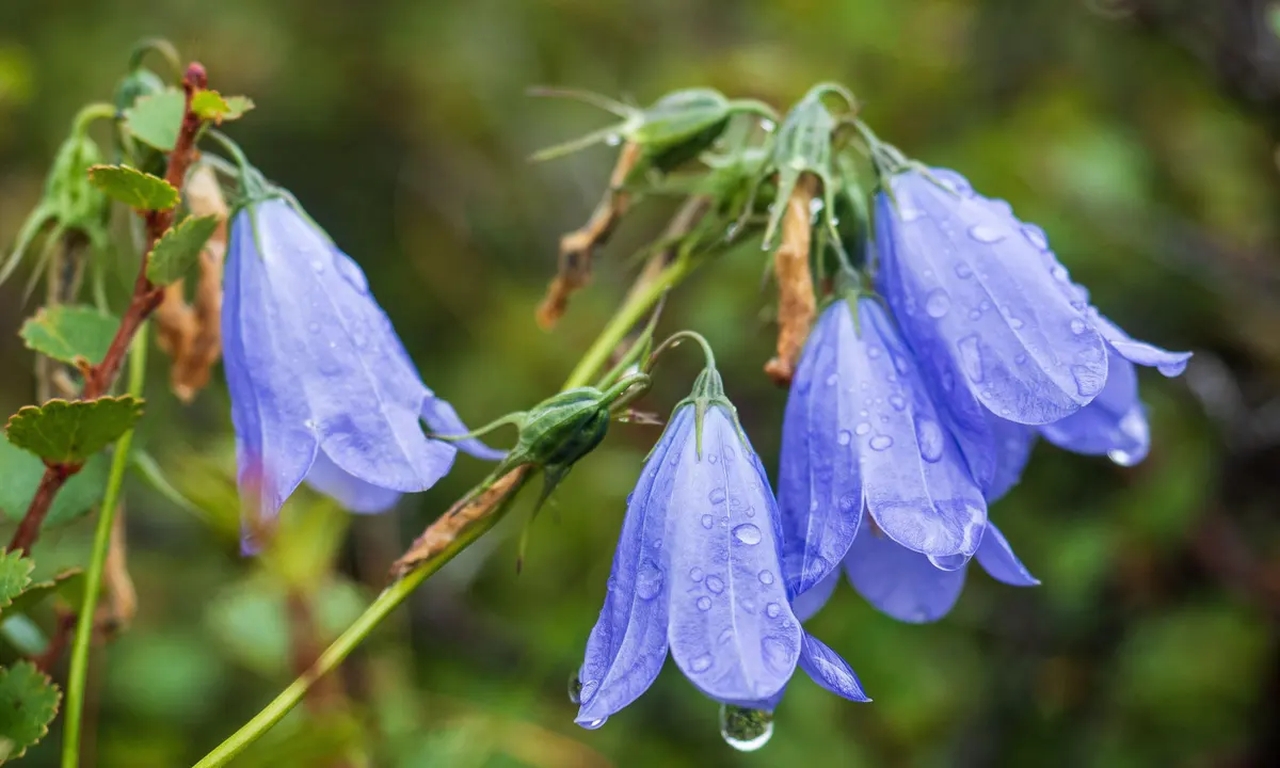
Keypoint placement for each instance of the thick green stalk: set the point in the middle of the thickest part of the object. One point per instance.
(78, 674)
(595, 358)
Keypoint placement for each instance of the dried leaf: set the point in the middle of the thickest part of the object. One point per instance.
(797, 305)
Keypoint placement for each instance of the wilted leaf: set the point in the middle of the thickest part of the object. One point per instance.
(178, 249)
(134, 188)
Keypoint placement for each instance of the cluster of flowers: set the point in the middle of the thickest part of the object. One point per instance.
(916, 401)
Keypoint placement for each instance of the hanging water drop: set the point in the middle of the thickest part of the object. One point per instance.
(938, 304)
(984, 234)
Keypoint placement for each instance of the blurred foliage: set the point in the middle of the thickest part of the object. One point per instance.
(1140, 134)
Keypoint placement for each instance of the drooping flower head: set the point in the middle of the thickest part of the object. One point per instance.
(321, 387)
(861, 431)
(999, 326)
(697, 571)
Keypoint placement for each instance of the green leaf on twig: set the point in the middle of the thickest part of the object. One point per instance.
(28, 703)
(211, 105)
(134, 188)
(68, 583)
(179, 248)
(68, 332)
(157, 119)
(20, 474)
(15, 575)
(70, 431)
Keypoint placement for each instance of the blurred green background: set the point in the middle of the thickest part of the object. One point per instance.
(1141, 134)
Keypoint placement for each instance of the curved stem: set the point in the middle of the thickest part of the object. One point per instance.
(595, 358)
(78, 673)
(675, 338)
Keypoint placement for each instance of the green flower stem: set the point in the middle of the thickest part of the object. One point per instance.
(588, 367)
(93, 579)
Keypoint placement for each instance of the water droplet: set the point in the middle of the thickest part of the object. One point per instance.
(874, 352)
(910, 214)
(963, 270)
(712, 458)
(728, 454)
(1015, 323)
(975, 314)
(1020, 358)
(985, 305)
(725, 636)
(970, 357)
(832, 380)
(844, 437)
(648, 581)
(773, 610)
(929, 437)
(766, 577)
(900, 363)
(704, 603)
(317, 266)
(701, 664)
(747, 533)
(746, 730)
(778, 653)
(1035, 236)
(1078, 326)
(707, 522)
(862, 428)
(881, 442)
(897, 402)
(716, 496)
(1060, 273)
(352, 274)
(715, 585)
(938, 304)
(984, 234)
(576, 687)
(696, 573)
(313, 327)
(613, 139)
(594, 724)
(1088, 381)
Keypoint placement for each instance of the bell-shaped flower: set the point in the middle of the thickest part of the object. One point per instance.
(861, 430)
(321, 387)
(697, 572)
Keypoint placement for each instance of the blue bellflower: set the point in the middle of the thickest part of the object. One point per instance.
(862, 431)
(321, 387)
(697, 572)
(1000, 328)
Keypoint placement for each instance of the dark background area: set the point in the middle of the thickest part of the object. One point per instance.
(1141, 135)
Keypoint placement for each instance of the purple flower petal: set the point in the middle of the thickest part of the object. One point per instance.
(1140, 352)
(899, 582)
(807, 604)
(732, 631)
(961, 270)
(1114, 424)
(628, 645)
(996, 558)
(1013, 445)
(354, 494)
(829, 670)
(365, 398)
(819, 483)
(918, 487)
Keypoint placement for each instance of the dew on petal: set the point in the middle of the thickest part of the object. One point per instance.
(970, 357)
(984, 234)
(1088, 381)
(881, 443)
(707, 522)
(746, 730)
(715, 584)
(1078, 326)
(704, 603)
(963, 270)
(938, 304)
(716, 496)
(701, 664)
(648, 581)
(930, 438)
(862, 429)
(747, 533)
(1035, 235)
(844, 437)
(766, 577)
(910, 214)
(696, 574)
(898, 402)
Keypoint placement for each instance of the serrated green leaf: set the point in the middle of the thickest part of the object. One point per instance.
(15, 575)
(134, 188)
(237, 106)
(179, 248)
(70, 431)
(68, 583)
(66, 332)
(157, 119)
(28, 703)
(211, 105)
(20, 474)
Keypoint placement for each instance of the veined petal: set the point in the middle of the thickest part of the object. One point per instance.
(628, 644)
(732, 631)
(1013, 446)
(275, 439)
(899, 582)
(996, 558)
(1140, 352)
(354, 494)
(807, 604)
(819, 482)
(917, 485)
(829, 670)
(1114, 424)
(969, 275)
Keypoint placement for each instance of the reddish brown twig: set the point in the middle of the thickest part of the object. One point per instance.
(797, 306)
(577, 247)
(99, 378)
